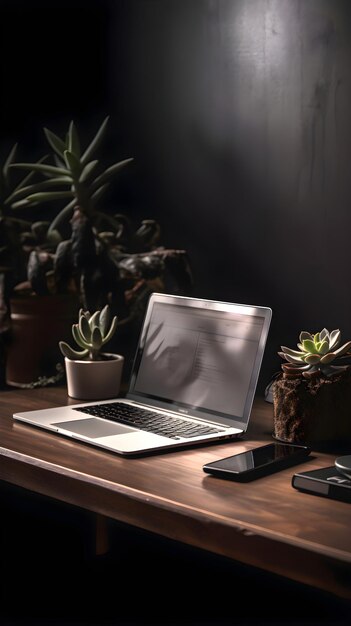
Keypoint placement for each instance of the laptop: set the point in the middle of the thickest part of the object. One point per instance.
(193, 381)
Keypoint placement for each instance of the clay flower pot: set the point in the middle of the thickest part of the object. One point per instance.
(37, 325)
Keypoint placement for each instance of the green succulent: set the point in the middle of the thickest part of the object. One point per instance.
(91, 333)
(14, 231)
(76, 177)
(8, 188)
(315, 354)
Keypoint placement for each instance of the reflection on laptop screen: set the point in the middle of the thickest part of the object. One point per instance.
(199, 358)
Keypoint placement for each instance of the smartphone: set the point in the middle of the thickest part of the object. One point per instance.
(258, 462)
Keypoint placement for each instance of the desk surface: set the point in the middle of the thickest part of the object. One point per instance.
(266, 523)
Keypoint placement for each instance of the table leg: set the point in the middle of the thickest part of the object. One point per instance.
(102, 540)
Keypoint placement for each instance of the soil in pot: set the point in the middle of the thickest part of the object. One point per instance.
(313, 410)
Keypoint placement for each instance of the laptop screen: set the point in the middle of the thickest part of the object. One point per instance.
(200, 359)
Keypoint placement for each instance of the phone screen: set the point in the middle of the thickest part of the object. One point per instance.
(258, 458)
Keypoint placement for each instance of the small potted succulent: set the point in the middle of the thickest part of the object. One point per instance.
(91, 373)
(312, 395)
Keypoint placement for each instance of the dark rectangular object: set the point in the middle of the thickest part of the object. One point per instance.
(326, 482)
(258, 462)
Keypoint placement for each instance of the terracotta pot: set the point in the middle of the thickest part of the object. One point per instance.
(38, 323)
(94, 380)
(313, 411)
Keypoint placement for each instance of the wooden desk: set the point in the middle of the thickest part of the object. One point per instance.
(266, 523)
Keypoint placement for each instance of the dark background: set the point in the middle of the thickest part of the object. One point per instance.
(237, 113)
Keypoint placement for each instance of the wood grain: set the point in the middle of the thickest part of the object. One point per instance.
(265, 523)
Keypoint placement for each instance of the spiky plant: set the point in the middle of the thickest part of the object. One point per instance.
(91, 333)
(75, 177)
(316, 354)
(17, 234)
(8, 188)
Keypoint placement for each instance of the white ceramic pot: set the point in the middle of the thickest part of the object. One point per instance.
(94, 380)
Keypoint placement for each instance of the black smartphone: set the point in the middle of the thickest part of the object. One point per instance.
(258, 462)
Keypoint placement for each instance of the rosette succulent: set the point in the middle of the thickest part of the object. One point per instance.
(316, 354)
(91, 333)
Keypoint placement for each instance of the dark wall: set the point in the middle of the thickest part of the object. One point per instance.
(239, 112)
(238, 115)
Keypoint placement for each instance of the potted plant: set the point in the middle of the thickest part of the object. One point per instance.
(91, 373)
(21, 332)
(12, 233)
(85, 255)
(312, 395)
(82, 180)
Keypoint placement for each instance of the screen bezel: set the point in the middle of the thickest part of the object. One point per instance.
(216, 306)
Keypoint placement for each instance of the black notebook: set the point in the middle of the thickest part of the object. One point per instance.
(327, 482)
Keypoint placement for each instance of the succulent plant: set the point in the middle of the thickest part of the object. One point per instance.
(17, 236)
(75, 177)
(316, 354)
(10, 226)
(91, 333)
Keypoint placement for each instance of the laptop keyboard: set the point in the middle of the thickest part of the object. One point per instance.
(150, 421)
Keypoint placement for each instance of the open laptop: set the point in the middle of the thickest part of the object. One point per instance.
(193, 380)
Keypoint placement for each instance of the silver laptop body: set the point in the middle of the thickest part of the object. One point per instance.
(196, 368)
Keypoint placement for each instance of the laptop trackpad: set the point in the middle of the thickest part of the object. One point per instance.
(92, 427)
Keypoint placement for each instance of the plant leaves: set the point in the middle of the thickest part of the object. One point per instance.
(22, 203)
(291, 352)
(87, 170)
(96, 339)
(9, 160)
(48, 196)
(43, 168)
(62, 215)
(73, 164)
(334, 338)
(328, 358)
(95, 142)
(308, 346)
(105, 320)
(109, 173)
(73, 140)
(77, 337)
(323, 347)
(99, 193)
(112, 331)
(291, 359)
(69, 353)
(28, 177)
(343, 349)
(94, 320)
(304, 335)
(84, 329)
(36, 187)
(55, 142)
(312, 359)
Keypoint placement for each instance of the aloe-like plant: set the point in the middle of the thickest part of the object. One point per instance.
(316, 354)
(75, 177)
(18, 236)
(10, 226)
(91, 333)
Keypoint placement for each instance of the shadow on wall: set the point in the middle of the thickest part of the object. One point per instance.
(244, 130)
